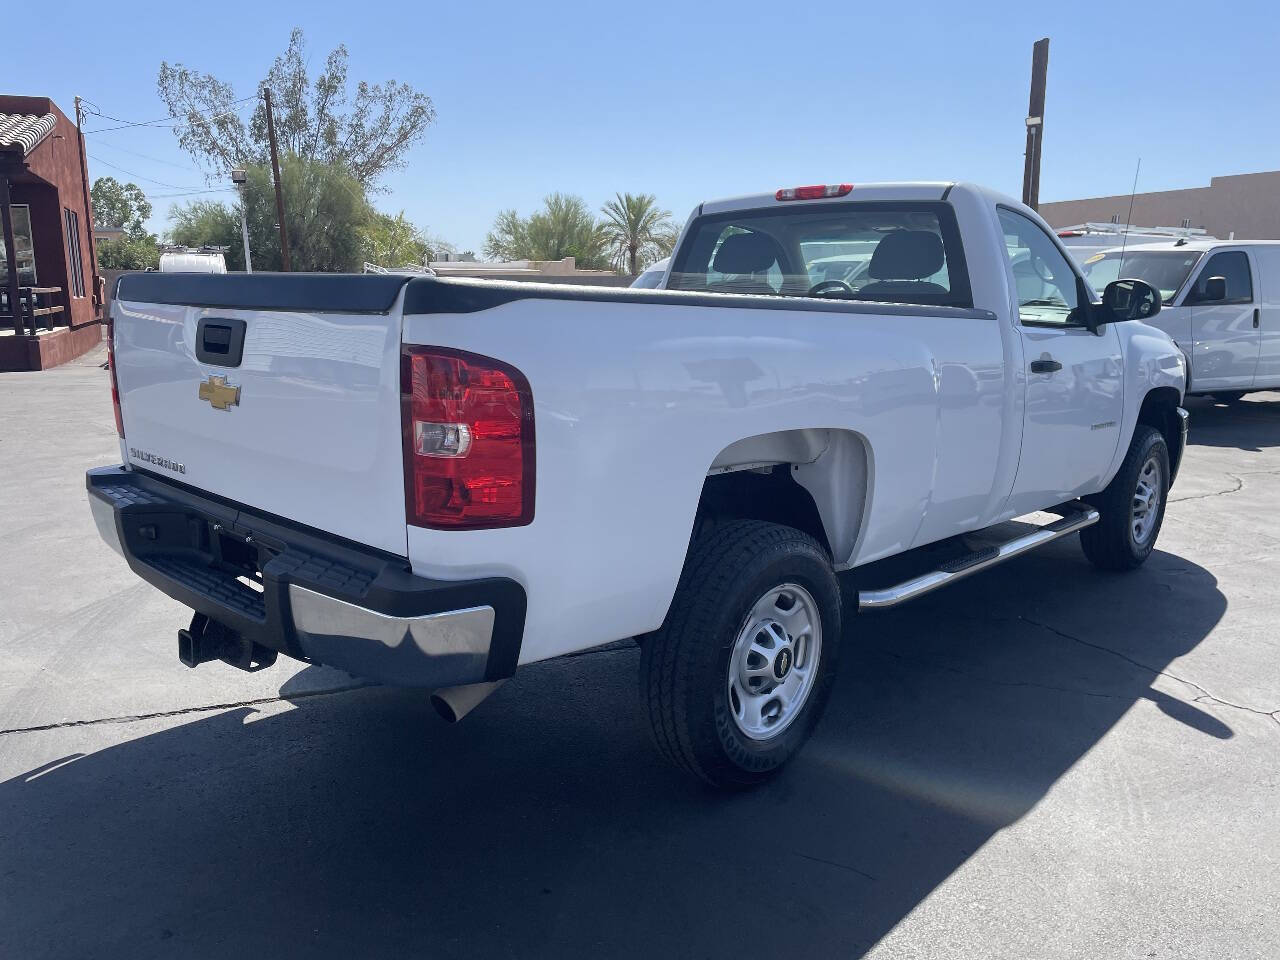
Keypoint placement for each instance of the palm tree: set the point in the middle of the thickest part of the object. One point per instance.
(636, 230)
(564, 227)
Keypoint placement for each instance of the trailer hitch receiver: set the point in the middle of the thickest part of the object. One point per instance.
(208, 639)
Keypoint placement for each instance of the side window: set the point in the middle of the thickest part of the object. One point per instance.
(1233, 265)
(1045, 282)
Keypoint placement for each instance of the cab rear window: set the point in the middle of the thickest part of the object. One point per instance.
(886, 252)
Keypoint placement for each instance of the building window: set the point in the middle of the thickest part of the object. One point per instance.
(74, 260)
(25, 252)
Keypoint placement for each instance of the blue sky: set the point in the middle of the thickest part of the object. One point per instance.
(691, 101)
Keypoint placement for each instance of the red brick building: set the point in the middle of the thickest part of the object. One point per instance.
(50, 297)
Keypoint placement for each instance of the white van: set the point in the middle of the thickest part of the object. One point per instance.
(193, 261)
(1221, 306)
(1086, 239)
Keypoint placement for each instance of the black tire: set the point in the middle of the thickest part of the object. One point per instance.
(1229, 397)
(1111, 544)
(684, 666)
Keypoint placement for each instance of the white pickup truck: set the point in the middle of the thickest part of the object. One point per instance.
(432, 482)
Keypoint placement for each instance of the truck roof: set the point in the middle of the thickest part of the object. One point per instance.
(906, 190)
(889, 190)
(1196, 246)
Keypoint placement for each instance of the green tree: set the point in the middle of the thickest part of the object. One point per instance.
(129, 253)
(393, 241)
(509, 238)
(119, 205)
(126, 206)
(636, 231)
(564, 227)
(209, 223)
(326, 218)
(315, 120)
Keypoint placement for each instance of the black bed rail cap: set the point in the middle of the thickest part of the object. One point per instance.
(472, 295)
(316, 292)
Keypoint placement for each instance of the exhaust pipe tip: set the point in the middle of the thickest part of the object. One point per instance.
(454, 703)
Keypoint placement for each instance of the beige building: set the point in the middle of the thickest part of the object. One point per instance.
(1246, 205)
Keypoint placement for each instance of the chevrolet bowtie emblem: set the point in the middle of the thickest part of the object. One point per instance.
(220, 394)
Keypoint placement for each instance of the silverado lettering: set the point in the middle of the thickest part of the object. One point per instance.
(147, 457)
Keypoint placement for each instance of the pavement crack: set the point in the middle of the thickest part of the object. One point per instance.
(1204, 695)
(206, 708)
(994, 681)
(835, 863)
(1217, 493)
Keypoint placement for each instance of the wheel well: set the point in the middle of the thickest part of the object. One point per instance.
(770, 494)
(1160, 410)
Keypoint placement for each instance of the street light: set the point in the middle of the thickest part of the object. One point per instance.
(238, 177)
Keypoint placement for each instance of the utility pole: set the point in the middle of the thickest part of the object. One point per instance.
(239, 176)
(88, 209)
(1035, 124)
(275, 175)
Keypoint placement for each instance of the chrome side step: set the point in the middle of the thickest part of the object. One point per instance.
(962, 567)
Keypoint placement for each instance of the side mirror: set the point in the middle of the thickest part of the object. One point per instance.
(1130, 300)
(1215, 290)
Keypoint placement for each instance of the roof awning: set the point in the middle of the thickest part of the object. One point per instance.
(24, 131)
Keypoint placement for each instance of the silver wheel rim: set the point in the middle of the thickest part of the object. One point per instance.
(1146, 502)
(774, 663)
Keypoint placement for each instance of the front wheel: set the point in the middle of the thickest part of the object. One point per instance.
(1132, 506)
(738, 676)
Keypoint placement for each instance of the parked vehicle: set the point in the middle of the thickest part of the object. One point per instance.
(1221, 306)
(432, 481)
(1086, 239)
(652, 276)
(193, 260)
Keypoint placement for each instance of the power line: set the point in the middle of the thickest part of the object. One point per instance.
(189, 193)
(159, 183)
(147, 156)
(169, 121)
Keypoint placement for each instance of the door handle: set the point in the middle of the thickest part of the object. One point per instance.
(1045, 366)
(1257, 317)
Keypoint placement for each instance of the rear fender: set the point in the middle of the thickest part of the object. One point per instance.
(831, 465)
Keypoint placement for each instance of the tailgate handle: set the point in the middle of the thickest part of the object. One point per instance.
(220, 341)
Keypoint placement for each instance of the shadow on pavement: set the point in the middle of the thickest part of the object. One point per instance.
(1252, 424)
(358, 824)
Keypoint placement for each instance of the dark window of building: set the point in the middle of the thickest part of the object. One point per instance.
(74, 260)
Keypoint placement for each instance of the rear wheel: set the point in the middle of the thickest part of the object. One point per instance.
(737, 677)
(1132, 506)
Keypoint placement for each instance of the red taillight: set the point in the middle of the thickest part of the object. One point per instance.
(819, 191)
(1071, 233)
(115, 384)
(468, 440)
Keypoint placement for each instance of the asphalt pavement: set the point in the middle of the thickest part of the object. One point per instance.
(1041, 761)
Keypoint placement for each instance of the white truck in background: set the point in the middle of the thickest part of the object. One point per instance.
(432, 482)
(1221, 307)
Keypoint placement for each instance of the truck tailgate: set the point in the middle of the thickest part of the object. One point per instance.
(303, 424)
